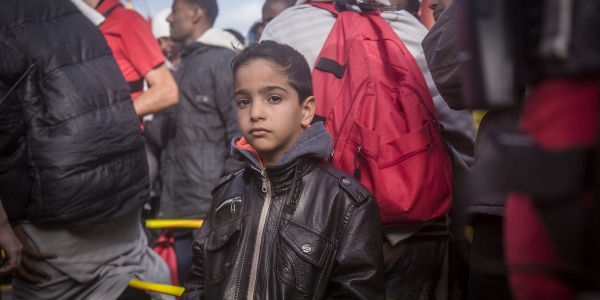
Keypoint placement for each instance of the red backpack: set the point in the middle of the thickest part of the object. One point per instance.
(378, 110)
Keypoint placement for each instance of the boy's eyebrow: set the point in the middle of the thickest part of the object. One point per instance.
(241, 92)
(271, 88)
(263, 90)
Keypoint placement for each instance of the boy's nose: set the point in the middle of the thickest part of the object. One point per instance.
(256, 111)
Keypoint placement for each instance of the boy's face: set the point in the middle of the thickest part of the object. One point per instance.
(269, 112)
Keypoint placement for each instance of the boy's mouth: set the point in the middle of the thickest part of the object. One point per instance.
(258, 131)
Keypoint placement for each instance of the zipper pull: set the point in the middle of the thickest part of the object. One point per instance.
(357, 165)
(232, 208)
(264, 181)
(330, 159)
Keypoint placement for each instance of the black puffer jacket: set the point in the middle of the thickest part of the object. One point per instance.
(317, 231)
(71, 150)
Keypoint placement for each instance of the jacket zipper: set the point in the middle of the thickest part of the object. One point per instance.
(266, 188)
(231, 201)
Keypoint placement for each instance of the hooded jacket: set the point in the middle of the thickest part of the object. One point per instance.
(71, 150)
(199, 128)
(300, 229)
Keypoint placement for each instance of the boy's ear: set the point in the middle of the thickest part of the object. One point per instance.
(308, 110)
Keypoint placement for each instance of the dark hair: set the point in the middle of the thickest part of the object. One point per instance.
(292, 64)
(237, 35)
(210, 8)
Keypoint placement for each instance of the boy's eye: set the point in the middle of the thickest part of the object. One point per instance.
(274, 98)
(243, 102)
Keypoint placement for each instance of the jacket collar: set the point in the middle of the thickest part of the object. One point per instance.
(219, 38)
(214, 37)
(314, 141)
(313, 145)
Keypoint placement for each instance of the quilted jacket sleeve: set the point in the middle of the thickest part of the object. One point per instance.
(14, 181)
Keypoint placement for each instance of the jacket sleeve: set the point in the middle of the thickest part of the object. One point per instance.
(14, 178)
(359, 273)
(442, 59)
(227, 111)
(194, 281)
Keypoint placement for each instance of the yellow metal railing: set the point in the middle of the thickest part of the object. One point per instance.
(179, 223)
(157, 287)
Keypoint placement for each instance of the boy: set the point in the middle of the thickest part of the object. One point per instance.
(289, 225)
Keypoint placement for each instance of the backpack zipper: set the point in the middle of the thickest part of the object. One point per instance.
(360, 86)
(414, 90)
(266, 188)
(405, 157)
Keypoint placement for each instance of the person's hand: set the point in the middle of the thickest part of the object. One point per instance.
(11, 247)
(29, 271)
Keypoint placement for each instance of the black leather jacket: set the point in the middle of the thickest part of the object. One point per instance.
(320, 237)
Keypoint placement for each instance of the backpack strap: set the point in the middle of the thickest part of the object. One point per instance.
(136, 85)
(111, 9)
(329, 65)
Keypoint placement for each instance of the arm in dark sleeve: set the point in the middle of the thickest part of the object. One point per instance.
(227, 110)
(14, 178)
(359, 274)
(194, 281)
(442, 60)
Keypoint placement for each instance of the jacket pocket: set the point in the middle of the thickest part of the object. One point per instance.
(221, 248)
(302, 255)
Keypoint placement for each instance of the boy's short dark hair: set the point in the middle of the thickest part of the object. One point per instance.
(292, 63)
(210, 8)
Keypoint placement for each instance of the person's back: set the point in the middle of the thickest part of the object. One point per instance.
(73, 102)
(75, 177)
(288, 226)
(290, 27)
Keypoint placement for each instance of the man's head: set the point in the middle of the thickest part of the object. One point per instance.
(272, 8)
(438, 7)
(189, 19)
(161, 31)
(273, 94)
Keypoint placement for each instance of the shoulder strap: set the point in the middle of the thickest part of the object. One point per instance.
(110, 10)
(136, 85)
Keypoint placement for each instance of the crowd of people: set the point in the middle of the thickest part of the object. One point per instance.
(107, 119)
